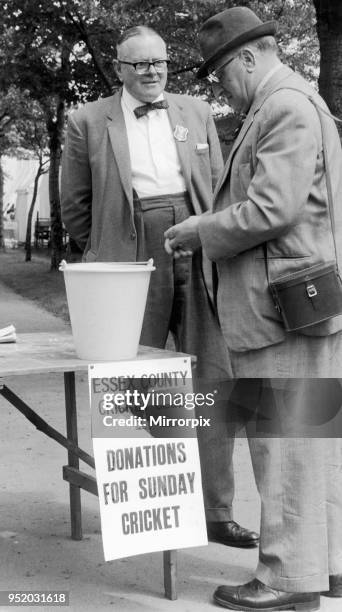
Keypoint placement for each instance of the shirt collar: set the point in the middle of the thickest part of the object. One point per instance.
(131, 102)
(267, 77)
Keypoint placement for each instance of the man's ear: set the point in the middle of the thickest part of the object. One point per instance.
(117, 69)
(248, 59)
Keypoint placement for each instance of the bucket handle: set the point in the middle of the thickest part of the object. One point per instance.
(149, 262)
(63, 265)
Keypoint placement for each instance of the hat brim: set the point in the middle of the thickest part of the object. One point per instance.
(265, 29)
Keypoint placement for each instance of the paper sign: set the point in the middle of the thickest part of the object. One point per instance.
(146, 456)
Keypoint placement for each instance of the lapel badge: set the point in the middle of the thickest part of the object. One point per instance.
(181, 133)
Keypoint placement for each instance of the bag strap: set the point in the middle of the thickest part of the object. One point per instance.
(327, 173)
(319, 110)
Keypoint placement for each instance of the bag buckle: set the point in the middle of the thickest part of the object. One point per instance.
(311, 290)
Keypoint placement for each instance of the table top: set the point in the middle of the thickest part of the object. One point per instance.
(54, 352)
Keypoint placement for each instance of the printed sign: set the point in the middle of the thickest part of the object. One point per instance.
(146, 456)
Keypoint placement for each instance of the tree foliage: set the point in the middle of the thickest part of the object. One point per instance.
(66, 47)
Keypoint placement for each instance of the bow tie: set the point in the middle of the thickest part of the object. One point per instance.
(140, 111)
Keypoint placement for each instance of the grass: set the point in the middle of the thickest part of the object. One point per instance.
(34, 280)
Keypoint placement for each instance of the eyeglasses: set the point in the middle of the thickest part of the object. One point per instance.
(213, 77)
(144, 67)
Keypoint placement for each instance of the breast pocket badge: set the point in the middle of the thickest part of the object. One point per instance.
(181, 133)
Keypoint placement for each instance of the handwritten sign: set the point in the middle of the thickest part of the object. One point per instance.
(146, 456)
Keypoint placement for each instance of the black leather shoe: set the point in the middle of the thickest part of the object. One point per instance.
(257, 596)
(231, 533)
(335, 586)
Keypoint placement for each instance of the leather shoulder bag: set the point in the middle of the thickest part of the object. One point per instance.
(310, 296)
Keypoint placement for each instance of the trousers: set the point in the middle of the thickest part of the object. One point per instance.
(294, 433)
(178, 302)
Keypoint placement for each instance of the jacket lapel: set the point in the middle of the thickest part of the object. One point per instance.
(245, 127)
(178, 117)
(272, 84)
(119, 141)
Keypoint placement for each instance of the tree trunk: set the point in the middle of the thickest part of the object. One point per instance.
(329, 30)
(2, 242)
(80, 25)
(30, 213)
(55, 128)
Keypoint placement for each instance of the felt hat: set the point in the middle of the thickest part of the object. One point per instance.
(228, 30)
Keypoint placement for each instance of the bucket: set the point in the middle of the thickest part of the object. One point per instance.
(106, 305)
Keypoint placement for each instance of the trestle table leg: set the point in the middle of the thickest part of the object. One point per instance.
(170, 573)
(73, 461)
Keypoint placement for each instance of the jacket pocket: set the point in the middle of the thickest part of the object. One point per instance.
(202, 152)
(279, 266)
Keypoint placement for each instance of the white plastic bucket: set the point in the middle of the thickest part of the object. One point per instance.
(106, 305)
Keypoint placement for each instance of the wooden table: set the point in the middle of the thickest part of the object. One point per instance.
(40, 353)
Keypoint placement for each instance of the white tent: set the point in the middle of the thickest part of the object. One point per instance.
(18, 189)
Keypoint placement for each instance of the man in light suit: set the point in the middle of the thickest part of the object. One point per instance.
(274, 190)
(134, 164)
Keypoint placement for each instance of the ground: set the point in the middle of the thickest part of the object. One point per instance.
(34, 279)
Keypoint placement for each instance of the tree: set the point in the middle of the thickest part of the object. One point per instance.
(42, 169)
(34, 136)
(329, 29)
(42, 50)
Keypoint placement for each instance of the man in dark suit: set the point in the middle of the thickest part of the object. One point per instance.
(274, 190)
(134, 164)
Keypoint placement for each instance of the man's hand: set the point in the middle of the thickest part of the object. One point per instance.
(178, 252)
(182, 239)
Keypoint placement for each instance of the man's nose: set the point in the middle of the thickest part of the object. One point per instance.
(152, 68)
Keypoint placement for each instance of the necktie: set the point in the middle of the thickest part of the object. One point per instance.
(238, 127)
(140, 111)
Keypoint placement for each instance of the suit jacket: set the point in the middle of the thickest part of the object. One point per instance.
(97, 194)
(273, 189)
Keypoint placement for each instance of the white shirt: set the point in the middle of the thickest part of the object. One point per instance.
(154, 159)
